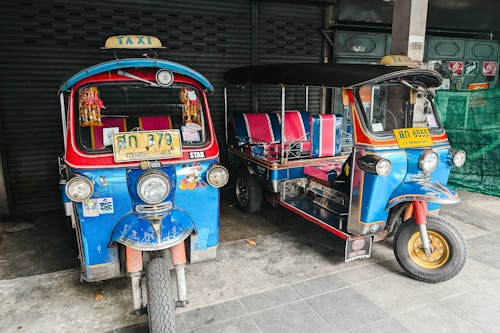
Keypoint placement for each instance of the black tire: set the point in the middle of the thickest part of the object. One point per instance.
(447, 258)
(248, 192)
(161, 308)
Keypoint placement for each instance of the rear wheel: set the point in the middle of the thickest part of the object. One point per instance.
(161, 309)
(448, 250)
(248, 192)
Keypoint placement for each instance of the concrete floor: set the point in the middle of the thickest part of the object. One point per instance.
(293, 280)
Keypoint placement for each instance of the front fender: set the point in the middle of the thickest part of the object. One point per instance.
(426, 190)
(147, 232)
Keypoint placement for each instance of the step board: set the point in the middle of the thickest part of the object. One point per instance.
(331, 221)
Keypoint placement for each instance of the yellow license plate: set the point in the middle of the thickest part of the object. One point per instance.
(413, 137)
(146, 145)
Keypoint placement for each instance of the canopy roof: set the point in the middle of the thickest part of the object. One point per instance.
(329, 75)
(136, 63)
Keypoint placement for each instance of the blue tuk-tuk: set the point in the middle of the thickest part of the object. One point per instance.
(374, 166)
(140, 159)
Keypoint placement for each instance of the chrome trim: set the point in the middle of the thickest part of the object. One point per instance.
(70, 212)
(354, 200)
(156, 246)
(63, 118)
(158, 208)
(307, 98)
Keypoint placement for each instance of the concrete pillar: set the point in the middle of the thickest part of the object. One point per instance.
(409, 20)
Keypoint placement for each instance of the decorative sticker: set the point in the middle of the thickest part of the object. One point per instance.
(196, 154)
(107, 135)
(105, 205)
(489, 68)
(102, 180)
(471, 68)
(431, 120)
(192, 179)
(456, 67)
(90, 208)
(189, 134)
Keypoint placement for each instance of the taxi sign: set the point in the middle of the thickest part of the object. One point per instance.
(396, 60)
(413, 137)
(133, 42)
(146, 145)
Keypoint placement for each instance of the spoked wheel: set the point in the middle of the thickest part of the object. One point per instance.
(161, 308)
(248, 193)
(448, 250)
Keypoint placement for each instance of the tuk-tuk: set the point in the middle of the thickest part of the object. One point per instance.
(376, 166)
(140, 160)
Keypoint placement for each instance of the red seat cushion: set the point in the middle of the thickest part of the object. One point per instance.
(325, 171)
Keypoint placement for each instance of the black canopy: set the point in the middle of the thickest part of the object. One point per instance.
(328, 75)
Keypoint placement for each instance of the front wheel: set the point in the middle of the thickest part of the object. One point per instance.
(161, 309)
(448, 250)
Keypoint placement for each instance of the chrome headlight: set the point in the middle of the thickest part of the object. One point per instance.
(217, 176)
(428, 161)
(375, 164)
(79, 189)
(459, 157)
(153, 187)
(383, 167)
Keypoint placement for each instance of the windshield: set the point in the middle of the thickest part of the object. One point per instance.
(102, 110)
(393, 106)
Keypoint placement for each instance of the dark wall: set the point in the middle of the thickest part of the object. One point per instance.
(44, 41)
(444, 16)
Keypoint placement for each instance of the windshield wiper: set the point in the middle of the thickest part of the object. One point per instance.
(132, 76)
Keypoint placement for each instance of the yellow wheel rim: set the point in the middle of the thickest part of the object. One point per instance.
(440, 250)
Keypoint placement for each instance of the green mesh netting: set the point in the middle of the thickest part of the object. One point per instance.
(472, 122)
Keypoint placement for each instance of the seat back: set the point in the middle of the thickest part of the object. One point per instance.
(326, 132)
(296, 126)
(255, 128)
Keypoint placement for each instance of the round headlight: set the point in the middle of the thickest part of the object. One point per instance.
(459, 157)
(383, 167)
(217, 176)
(79, 189)
(428, 161)
(153, 187)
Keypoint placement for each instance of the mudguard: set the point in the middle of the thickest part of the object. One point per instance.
(425, 190)
(148, 232)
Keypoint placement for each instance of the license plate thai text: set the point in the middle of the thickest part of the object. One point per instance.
(146, 145)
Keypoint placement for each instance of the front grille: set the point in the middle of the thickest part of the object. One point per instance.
(158, 208)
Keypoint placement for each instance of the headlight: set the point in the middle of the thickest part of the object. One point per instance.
(217, 176)
(428, 161)
(79, 189)
(383, 167)
(459, 157)
(375, 164)
(153, 187)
